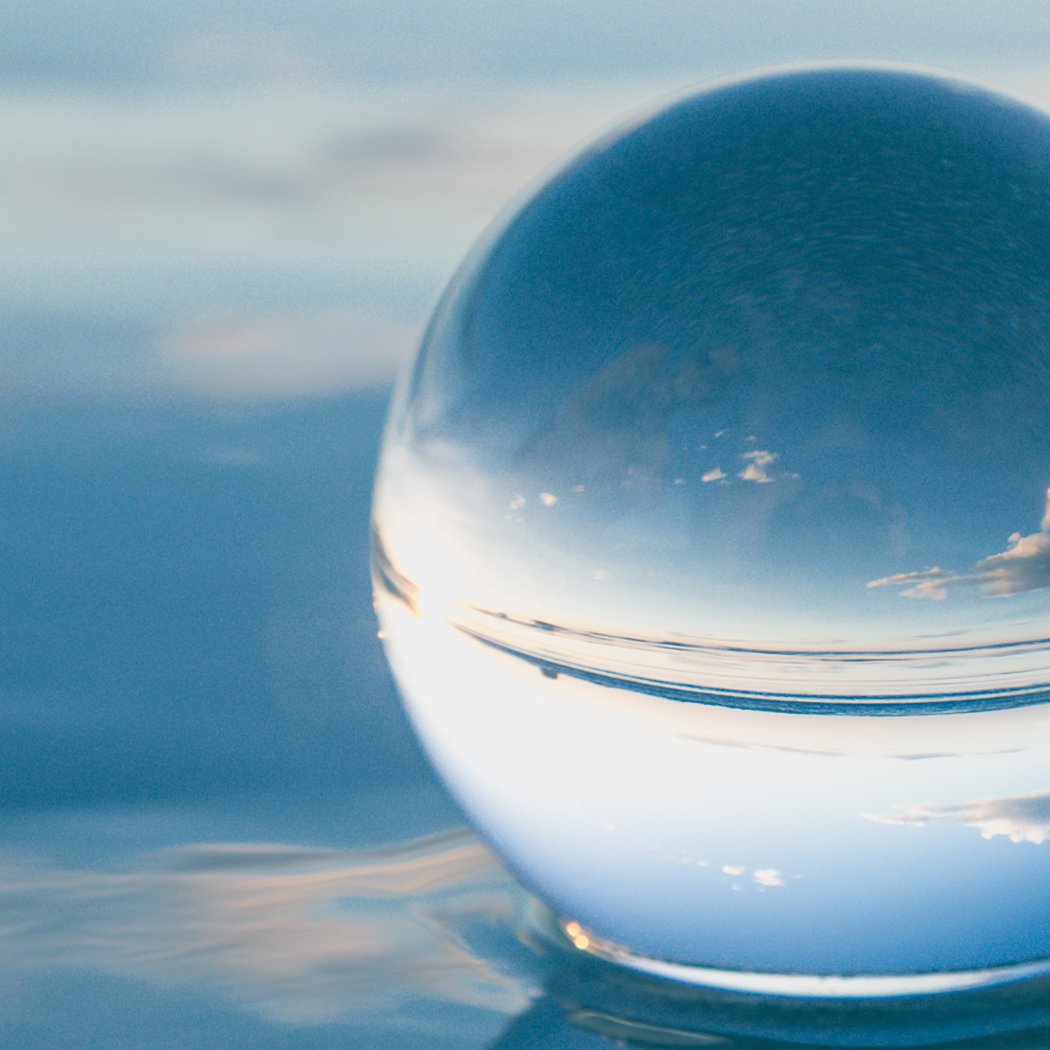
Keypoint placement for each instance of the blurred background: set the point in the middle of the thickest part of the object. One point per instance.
(224, 224)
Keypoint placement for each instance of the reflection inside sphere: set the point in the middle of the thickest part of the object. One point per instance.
(712, 538)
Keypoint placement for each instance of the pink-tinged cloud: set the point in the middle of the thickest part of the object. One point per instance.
(1023, 566)
(1022, 819)
(758, 463)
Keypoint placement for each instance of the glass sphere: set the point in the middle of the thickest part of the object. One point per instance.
(712, 541)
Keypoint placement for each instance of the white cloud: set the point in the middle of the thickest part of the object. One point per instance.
(717, 474)
(930, 583)
(1023, 566)
(285, 356)
(767, 877)
(757, 463)
(764, 878)
(1022, 819)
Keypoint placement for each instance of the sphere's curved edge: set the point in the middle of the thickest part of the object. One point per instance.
(799, 985)
(715, 82)
(951, 78)
(847, 64)
(620, 125)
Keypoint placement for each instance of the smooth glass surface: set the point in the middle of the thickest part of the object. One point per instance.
(711, 531)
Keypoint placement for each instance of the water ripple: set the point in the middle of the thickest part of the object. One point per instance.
(308, 936)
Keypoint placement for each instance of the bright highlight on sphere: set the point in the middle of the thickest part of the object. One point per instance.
(712, 535)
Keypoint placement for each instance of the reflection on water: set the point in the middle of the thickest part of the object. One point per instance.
(595, 1007)
(302, 936)
(308, 937)
(680, 433)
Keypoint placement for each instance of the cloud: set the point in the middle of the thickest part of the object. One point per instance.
(930, 583)
(287, 170)
(768, 877)
(1023, 566)
(757, 462)
(285, 356)
(1022, 819)
(299, 935)
(150, 212)
(764, 878)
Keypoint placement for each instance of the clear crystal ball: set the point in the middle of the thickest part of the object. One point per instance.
(712, 542)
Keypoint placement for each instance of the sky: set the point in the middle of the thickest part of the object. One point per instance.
(261, 201)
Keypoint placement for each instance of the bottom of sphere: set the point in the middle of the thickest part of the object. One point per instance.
(795, 985)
